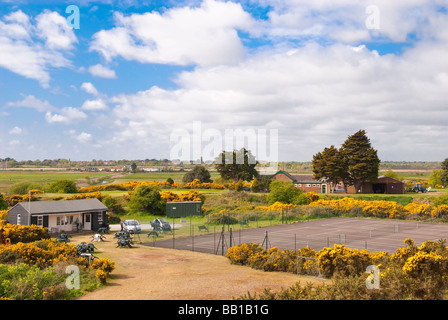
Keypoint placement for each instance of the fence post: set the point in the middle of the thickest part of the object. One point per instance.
(192, 241)
(230, 245)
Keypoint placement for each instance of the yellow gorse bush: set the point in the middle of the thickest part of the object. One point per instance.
(104, 264)
(312, 196)
(131, 185)
(42, 253)
(3, 214)
(429, 261)
(381, 208)
(422, 263)
(14, 199)
(21, 233)
(347, 261)
(277, 206)
(240, 254)
(191, 195)
(91, 195)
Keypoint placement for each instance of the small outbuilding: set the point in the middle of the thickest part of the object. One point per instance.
(57, 216)
(383, 184)
(183, 209)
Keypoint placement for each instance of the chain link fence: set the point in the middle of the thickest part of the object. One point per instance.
(383, 235)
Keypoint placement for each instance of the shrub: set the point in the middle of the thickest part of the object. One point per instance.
(255, 185)
(21, 233)
(343, 260)
(442, 199)
(42, 253)
(24, 282)
(199, 173)
(240, 254)
(24, 187)
(409, 273)
(101, 276)
(3, 203)
(312, 196)
(104, 264)
(113, 205)
(62, 186)
(283, 192)
(147, 199)
(3, 215)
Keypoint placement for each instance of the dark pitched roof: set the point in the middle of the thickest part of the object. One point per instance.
(299, 178)
(304, 178)
(388, 179)
(63, 206)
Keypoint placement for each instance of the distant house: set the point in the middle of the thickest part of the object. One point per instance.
(57, 216)
(305, 182)
(149, 169)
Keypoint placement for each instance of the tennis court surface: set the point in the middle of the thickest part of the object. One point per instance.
(360, 233)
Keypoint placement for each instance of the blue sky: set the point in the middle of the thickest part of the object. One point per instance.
(136, 73)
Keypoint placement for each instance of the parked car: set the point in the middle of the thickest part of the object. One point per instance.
(161, 224)
(132, 226)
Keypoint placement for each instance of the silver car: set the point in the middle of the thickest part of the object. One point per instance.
(132, 226)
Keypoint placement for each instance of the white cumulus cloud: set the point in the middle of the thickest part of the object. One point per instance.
(205, 35)
(66, 115)
(84, 137)
(31, 49)
(89, 88)
(95, 105)
(16, 131)
(101, 71)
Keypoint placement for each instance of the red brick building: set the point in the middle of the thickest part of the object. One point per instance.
(305, 182)
(383, 184)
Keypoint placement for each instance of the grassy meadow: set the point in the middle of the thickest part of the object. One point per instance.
(9, 178)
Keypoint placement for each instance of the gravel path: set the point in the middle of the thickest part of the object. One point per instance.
(146, 273)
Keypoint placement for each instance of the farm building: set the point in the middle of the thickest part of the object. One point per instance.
(57, 216)
(383, 185)
(306, 182)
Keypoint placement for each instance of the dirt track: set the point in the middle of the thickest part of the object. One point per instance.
(146, 273)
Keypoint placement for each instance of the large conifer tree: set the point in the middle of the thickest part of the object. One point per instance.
(361, 160)
(354, 163)
(330, 166)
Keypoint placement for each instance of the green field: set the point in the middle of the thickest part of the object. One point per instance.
(159, 176)
(8, 178)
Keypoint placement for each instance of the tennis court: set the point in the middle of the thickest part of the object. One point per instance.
(360, 233)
